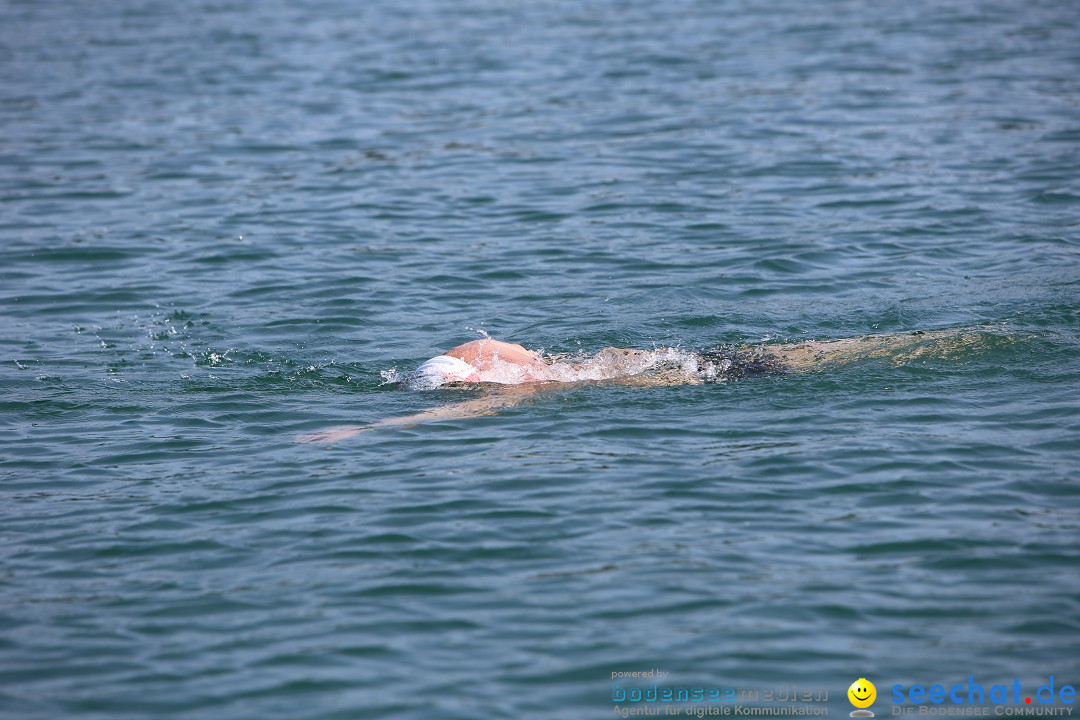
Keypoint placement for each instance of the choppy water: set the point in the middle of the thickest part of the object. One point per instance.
(222, 221)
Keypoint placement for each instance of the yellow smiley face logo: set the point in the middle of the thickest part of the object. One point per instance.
(862, 693)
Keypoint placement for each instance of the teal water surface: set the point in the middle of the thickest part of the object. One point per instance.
(221, 223)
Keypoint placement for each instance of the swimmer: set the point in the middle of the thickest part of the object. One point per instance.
(511, 373)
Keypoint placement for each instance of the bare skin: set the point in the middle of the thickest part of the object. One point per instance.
(487, 404)
(794, 357)
(483, 352)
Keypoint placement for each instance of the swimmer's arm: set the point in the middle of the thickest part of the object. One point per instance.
(487, 404)
(505, 396)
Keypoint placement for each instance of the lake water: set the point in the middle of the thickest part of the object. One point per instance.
(222, 222)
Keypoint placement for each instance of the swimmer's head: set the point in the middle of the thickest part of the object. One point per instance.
(484, 353)
(442, 370)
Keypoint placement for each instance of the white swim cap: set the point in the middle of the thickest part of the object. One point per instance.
(441, 370)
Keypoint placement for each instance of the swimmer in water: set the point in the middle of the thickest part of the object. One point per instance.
(511, 373)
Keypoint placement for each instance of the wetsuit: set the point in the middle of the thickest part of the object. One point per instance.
(734, 363)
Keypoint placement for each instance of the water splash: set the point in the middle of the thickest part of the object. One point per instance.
(615, 363)
(392, 377)
(480, 331)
